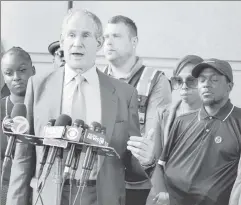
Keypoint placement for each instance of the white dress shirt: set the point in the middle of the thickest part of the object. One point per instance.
(91, 92)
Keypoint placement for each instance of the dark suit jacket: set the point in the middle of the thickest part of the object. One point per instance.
(235, 198)
(119, 116)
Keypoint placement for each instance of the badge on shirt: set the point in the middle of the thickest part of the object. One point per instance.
(218, 139)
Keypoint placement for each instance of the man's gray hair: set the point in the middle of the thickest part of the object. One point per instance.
(73, 12)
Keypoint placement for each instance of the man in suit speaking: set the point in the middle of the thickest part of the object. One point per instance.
(81, 91)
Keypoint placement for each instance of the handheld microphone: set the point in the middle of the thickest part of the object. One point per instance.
(74, 133)
(43, 158)
(20, 125)
(62, 121)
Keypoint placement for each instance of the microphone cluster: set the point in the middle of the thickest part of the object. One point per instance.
(59, 134)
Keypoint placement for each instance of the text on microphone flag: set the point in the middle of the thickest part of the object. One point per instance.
(54, 132)
(94, 137)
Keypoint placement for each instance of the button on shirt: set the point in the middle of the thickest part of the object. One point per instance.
(202, 154)
(91, 92)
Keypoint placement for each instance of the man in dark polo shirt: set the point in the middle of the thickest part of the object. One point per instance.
(200, 161)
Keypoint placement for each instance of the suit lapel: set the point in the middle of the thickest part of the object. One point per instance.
(108, 107)
(55, 89)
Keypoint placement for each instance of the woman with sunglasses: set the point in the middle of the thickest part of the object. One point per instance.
(184, 84)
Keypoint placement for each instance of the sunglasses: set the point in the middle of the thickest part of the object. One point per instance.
(177, 82)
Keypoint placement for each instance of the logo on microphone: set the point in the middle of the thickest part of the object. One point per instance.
(20, 125)
(72, 133)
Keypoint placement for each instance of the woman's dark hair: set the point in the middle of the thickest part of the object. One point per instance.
(189, 59)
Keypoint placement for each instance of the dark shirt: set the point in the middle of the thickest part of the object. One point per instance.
(5, 91)
(4, 137)
(202, 156)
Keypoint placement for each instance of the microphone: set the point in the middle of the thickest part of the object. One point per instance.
(18, 124)
(74, 165)
(92, 135)
(43, 158)
(62, 121)
(7, 123)
(74, 133)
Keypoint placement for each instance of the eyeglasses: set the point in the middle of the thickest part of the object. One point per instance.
(177, 82)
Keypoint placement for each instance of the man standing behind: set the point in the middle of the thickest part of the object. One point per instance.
(120, 44)
(58, 54)
(81, 91)
(17, 68)
(200, 160)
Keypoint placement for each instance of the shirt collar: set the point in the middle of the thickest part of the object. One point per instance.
(128, 76)
(222, 114)
(69, 74)
(90, 75)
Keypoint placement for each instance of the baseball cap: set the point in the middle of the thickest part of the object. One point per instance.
(219, 65)
(53, 47)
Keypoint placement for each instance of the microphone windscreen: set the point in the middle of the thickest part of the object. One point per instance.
(63, 120)
(51, 122)
(79, 123)
(19, 109)
(96, 124)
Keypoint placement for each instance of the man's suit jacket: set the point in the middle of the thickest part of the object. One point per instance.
(235, 198)
(119, 116)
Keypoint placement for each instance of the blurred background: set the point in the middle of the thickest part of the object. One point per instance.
(167, 30)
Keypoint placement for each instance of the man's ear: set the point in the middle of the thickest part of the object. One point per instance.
(230, 85)
(34, 70)
(100, 42)
(134, 41)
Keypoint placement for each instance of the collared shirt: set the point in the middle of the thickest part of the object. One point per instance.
(127, 77)
(202, 153)
(91, 91)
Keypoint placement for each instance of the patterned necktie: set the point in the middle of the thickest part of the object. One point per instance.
(78, 103)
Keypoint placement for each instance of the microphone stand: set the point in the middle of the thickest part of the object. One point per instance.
(88, 165)
(58, 176)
